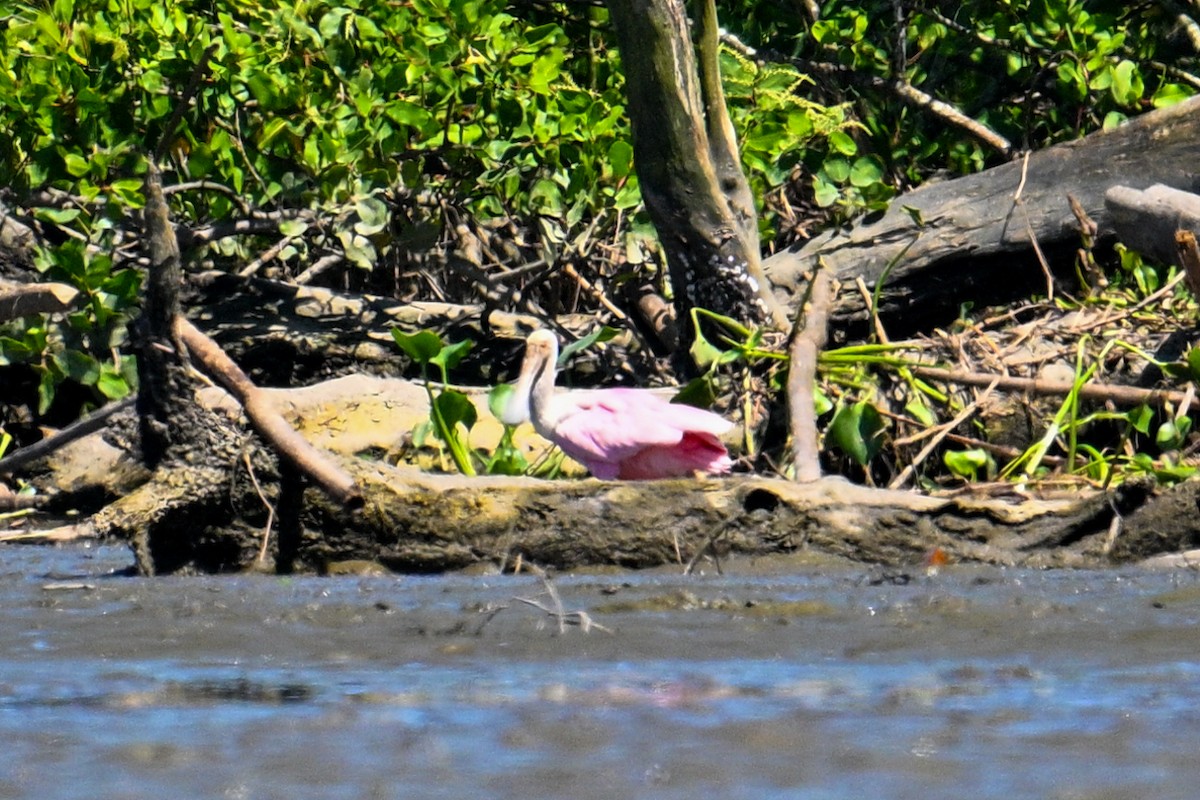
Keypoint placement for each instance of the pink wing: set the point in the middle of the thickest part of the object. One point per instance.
(611, 425)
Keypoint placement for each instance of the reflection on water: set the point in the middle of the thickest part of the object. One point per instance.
(815, 684)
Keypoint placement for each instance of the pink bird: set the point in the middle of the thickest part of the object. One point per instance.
(632, 434)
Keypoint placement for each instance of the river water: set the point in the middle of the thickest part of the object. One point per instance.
(769, 681)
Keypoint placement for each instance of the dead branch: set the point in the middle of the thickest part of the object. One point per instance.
(808, 338)
(76, 430)
(1189, 259)
(24, 299)
(265, 417)
(1121, 395)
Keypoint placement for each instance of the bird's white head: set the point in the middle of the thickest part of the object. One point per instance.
(541, 353)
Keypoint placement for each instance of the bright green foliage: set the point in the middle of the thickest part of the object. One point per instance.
(1035, 71)
(82, 346)
(369, 128)
(452, 414)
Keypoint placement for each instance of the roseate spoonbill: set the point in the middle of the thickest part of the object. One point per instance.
(616, 433)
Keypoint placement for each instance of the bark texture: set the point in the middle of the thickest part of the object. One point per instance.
(687, 161)
(972, 238)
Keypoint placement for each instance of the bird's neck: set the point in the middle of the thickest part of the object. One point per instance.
(541, 410)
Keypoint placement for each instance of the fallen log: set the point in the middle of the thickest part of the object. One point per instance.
(418, 522)
(1146, 220)
(974, 237)
(26, 299)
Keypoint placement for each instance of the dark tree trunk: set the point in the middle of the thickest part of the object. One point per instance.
(688, 165)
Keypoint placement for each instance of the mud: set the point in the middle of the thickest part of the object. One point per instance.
(779, 678)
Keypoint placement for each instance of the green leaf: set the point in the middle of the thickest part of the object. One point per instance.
(620, 159)
(422, 346)
(78, 366)
(456, 408)
(76, 164)
(111, 383)
(857, 430)
(1172, 433)
(58, 216)
(966, 464)
(373, 216)
(697, 392)
(703, 353)
(499, 398)
(1192, 358)
(602, 334)
(866, 171)
(1140, 419)
(450, 355)
(824, 192)
(841, 142)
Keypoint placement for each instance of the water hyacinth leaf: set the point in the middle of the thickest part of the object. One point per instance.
(703, 353)
(507, 460)
(450, 355)
(1172, 433)
(422, 346)
(967, 464)
(602, 334)
(857, 430)
(499, 398)
(697, 392)
(456, 408)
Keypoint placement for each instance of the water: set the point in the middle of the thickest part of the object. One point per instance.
(765, 682)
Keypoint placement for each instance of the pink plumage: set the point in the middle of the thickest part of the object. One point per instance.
(633, 434)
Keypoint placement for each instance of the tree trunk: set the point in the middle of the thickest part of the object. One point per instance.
(972, 238)
(688, 165)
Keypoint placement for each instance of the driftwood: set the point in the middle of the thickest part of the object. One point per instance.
(978, 236)
(417, 522)
(26, 299)
(1146, 220)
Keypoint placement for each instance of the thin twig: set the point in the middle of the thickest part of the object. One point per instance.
(943, 432)
(1037, 249)
(705, 547)
(266, 539)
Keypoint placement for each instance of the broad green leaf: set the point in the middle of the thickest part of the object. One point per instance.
(967, 464)
(600, 335)
(841, 142)
(450, 355)
(422, 346)
(857, 430)
(456, 408)
(620, 159)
